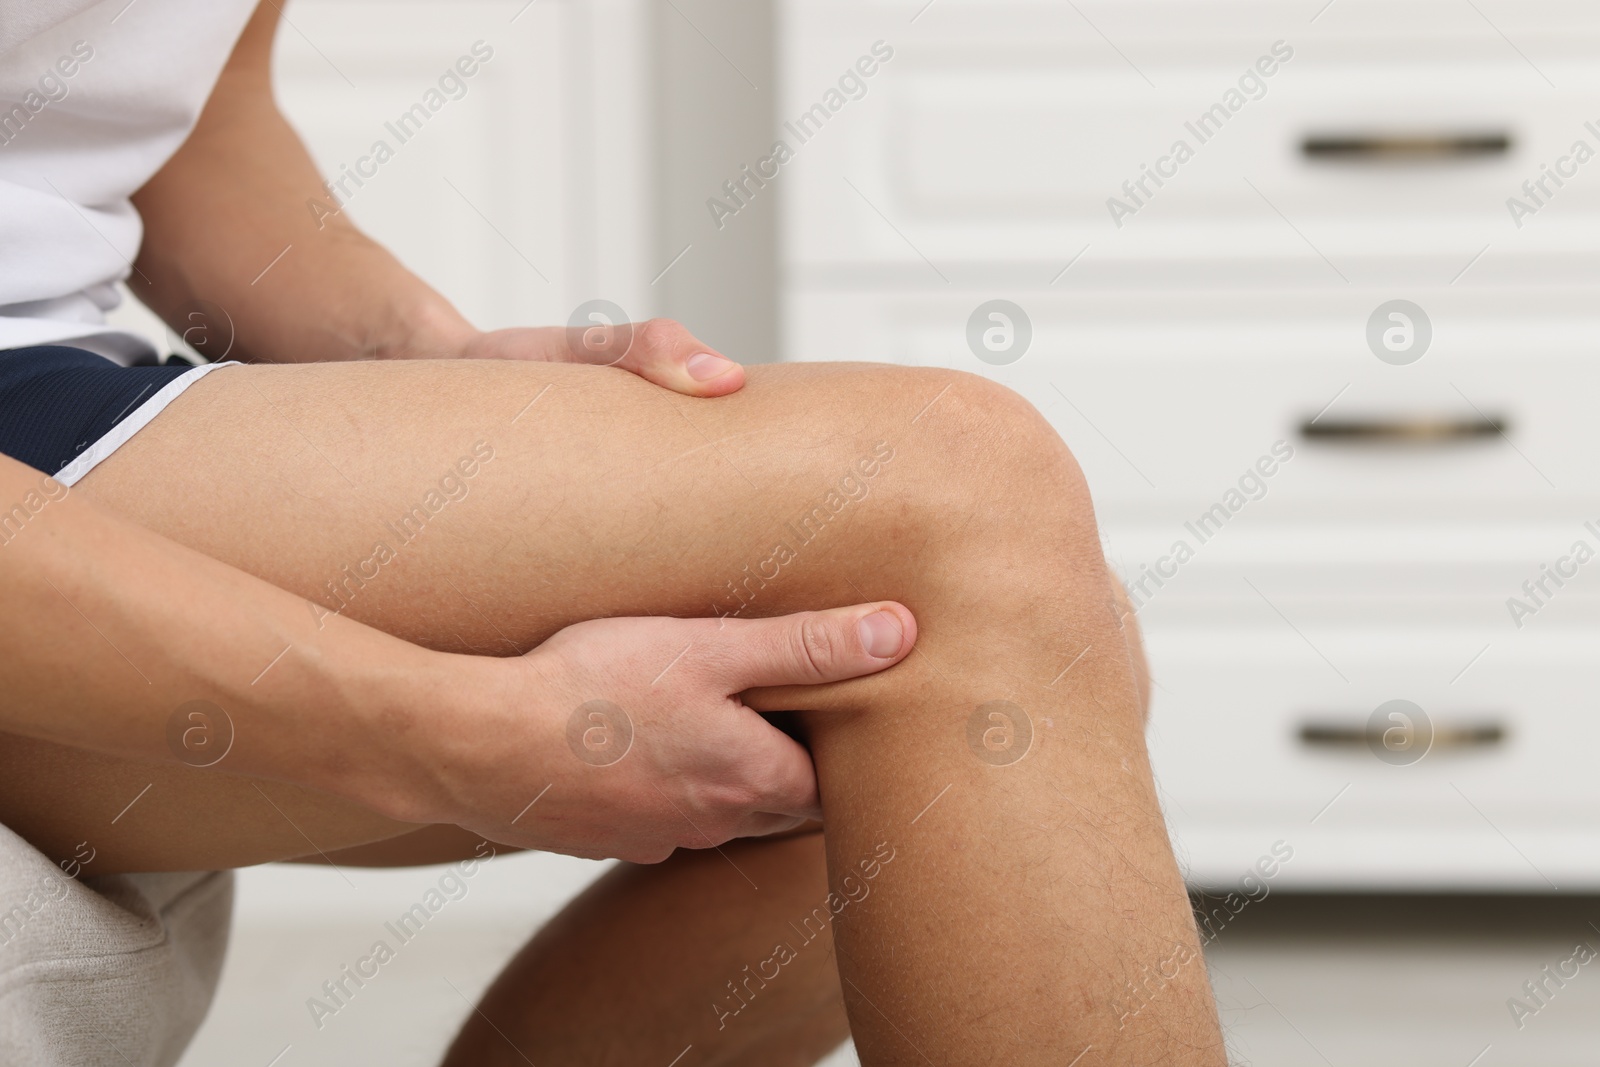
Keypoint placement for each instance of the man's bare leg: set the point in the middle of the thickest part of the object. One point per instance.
(1031, 877)
(651, 962)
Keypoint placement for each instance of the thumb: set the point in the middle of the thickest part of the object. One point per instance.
(666, 353)
(812, 647)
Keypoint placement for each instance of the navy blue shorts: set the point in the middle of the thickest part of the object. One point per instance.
(63, 409)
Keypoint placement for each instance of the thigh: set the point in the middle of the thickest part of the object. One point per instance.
(480, 507)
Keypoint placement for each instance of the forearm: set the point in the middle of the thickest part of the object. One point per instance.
(124, 627)
(245, 251)
(228, 221)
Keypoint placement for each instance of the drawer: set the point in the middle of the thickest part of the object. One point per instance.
(1479, 574)
(1008, 142)
(1167, 402)
(1256, 738)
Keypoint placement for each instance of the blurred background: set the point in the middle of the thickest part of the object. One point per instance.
(1308, 288)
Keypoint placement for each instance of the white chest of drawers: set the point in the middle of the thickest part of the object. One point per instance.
(1225, 309)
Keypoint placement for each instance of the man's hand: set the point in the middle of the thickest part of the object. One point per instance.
(627, 737)
(660, 351)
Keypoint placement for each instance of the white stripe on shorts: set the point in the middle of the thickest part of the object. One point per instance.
(92, 456)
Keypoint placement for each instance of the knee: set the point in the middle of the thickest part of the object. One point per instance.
(974, 461)
(918, 481)
(998, 438)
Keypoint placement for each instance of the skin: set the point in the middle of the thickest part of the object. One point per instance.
(590, 558)
(607, 952)
(1055, 866)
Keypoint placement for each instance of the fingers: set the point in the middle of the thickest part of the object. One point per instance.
(660, 351)
(764, 824)
(814, 646)
(783, 788)
(664, 352)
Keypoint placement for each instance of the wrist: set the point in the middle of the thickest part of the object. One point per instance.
(418, 719)
(428, 327)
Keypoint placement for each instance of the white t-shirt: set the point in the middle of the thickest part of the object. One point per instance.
(94, 98)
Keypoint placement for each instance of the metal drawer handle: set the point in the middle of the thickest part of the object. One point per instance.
(1335, 735)
(1421, 430)
(1404, 147)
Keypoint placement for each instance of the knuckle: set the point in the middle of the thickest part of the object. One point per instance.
(709, 834)
(775, 784)
(659, 333)
(746, 797)
(815, 646)
(727, 809)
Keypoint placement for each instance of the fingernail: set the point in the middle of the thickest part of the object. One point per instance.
(881, 634)
(705, 366)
